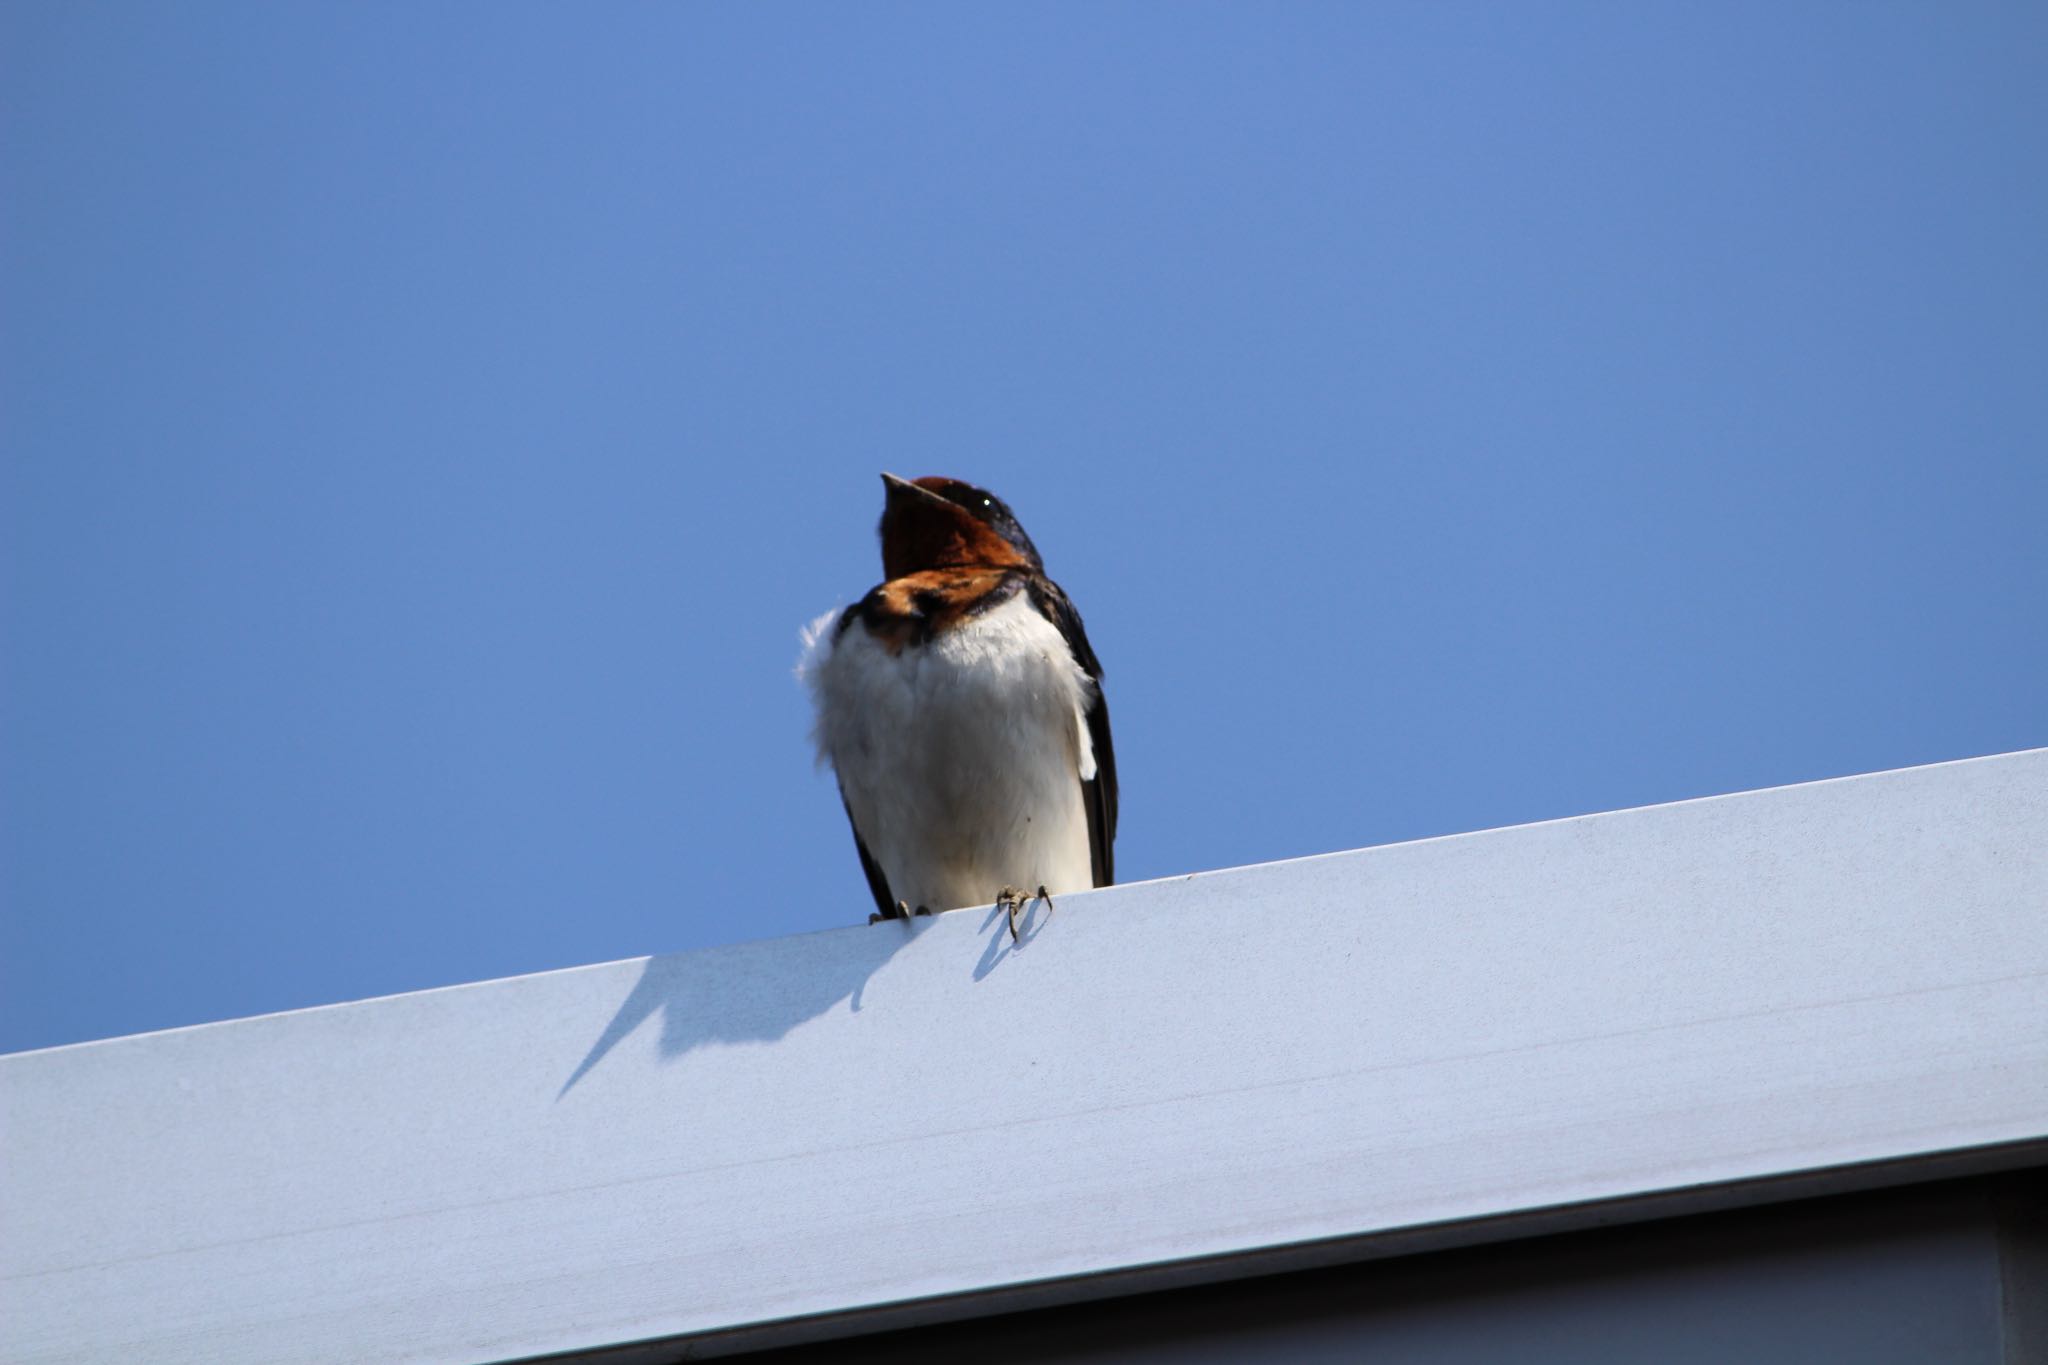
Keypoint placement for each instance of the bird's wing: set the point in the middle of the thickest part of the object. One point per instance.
(877, 883)
(1098, 794)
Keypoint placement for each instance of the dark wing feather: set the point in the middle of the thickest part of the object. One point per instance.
(1098, 795)
(877, 883)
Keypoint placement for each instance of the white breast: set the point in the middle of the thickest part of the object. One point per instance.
(962, 759)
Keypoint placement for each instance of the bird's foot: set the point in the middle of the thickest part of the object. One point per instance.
(1011, 900)
(902, 912)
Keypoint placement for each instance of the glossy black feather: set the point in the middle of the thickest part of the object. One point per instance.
(1099, 795)
(877, 883)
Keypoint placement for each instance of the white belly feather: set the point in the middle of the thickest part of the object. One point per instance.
(962, 759)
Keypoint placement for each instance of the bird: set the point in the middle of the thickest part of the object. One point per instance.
(960, 706)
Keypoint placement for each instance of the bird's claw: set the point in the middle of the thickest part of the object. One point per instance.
(1011, 900)
(902, 912)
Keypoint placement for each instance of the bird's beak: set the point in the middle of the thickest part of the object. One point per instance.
(904, 488)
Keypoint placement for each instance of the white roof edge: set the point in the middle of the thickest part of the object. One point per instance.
(1622, 812)
(1822, 987)
(1151, 881)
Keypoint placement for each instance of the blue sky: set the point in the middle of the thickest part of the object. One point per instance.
(424, 429)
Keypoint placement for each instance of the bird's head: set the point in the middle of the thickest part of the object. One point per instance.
(936, 523)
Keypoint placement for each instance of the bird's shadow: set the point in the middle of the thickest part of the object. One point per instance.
(757, 992)
(750, 992)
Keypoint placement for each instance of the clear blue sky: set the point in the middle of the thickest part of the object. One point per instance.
(426, 428)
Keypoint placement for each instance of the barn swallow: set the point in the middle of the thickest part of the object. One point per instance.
(961, 707)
